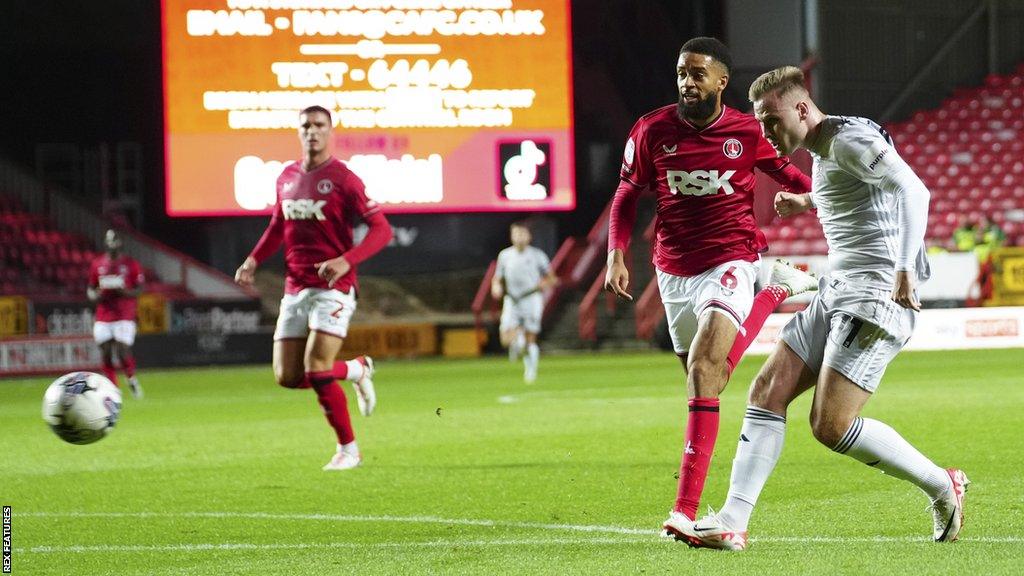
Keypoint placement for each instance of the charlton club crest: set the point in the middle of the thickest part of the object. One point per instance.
(732, 148)
(324, 186)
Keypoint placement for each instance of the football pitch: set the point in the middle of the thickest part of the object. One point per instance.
(469, 471)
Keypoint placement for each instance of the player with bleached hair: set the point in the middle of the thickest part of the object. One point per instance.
(873, 210)
(522, 273)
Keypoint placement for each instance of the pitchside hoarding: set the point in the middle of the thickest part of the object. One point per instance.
(439, 105)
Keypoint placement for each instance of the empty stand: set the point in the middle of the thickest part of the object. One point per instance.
(970, 154)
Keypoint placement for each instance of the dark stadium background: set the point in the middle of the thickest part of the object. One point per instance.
(89, 72)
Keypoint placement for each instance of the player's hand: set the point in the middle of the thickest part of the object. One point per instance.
(788, 204)
(332, 270)
(616, 280)
(903, 291)
(496, 292)
(246, 273)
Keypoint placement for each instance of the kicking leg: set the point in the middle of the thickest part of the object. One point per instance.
(836, 423)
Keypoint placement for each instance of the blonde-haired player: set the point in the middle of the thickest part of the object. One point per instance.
(873, 210)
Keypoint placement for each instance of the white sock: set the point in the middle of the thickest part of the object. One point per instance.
(519, 342)
(350, 448)
(355, 370)
(759, 448)
(532, 357)
(876, 444)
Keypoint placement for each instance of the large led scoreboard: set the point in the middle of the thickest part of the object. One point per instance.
(438, 105)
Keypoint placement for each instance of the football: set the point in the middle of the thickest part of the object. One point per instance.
(81, 407)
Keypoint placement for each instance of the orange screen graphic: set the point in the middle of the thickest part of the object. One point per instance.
(438, 105)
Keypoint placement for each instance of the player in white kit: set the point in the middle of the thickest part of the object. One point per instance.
(873, 210)
(522, 274)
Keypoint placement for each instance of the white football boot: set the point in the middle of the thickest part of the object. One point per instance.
(675, 525)
(366, 396)
(948, 510)
(343, 461)
(794, 280)
(136, 388)
(530, 374)
(711, 532)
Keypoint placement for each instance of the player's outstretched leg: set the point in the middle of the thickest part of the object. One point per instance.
(359, 371)
(785, 281)
(879, 446)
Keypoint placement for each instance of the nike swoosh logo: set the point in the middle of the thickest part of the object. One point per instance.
(669, 149)
(695, 529)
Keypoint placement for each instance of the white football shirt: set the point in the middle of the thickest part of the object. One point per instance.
(872, 207)
(522, 271)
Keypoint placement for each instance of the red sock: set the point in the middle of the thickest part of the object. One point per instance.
(128, 365)
(110, 372)
(701, 433)
(765, 303)
(332, 399)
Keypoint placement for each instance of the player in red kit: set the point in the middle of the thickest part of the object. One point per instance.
(115, 281)
(317, 200)
(699, 158)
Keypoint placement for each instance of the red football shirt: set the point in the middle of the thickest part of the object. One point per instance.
(315, 212)
(110, 277)
(704, 182)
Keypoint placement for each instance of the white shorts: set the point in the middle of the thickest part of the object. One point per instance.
(122, 331)
(851, 326)
(526, 313)
(316, 309)
(727, 288)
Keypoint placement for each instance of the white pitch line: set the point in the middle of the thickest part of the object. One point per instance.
(246, 546)
(647, 533)
(349, 518)
(229, 546)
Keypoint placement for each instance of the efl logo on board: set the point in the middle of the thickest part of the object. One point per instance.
(525, 170)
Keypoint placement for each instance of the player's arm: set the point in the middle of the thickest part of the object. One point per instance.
(788, 204)
(133, 289)
(271, 240)
(635, 175)
(876, 162)
(377, 237)
(92, 291)
(498, 280)
(620, 230)
(550, 280)
(797, 197)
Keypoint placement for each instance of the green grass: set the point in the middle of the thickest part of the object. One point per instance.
(468, 471)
